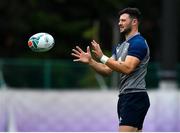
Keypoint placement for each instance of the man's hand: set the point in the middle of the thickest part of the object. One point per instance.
(96, 49)
(84, 57)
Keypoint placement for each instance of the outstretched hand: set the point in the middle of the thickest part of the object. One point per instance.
(96, 49)
(81, 56)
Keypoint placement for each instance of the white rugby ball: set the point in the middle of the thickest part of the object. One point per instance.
(41, 42)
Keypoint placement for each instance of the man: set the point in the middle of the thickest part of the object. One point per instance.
(130, 60)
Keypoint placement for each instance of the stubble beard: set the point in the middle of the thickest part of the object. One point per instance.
(126, 31)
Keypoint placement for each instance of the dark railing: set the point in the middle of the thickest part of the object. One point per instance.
(58, 74)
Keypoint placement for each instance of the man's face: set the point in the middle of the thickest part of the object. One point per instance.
(125, 23)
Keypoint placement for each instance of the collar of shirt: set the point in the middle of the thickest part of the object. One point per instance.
(132, 36)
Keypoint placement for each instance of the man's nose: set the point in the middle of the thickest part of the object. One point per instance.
(119, 23)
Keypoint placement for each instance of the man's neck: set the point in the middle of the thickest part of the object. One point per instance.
(132, 33)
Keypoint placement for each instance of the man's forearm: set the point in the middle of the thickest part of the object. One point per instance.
(125, 67)
(99, 67)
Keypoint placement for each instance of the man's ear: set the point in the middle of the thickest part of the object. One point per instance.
(134, 22)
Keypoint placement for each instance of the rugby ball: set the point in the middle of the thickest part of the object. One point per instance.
(41, 42)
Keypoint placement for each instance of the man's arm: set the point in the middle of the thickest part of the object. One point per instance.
(100, 68)
(126, 66)
(85, 57)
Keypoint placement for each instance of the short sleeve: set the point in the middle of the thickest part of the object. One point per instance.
(138, 49)
(114, 56)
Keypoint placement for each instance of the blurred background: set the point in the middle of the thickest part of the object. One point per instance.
(49, 92)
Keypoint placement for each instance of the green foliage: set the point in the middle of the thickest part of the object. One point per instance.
(68, 21)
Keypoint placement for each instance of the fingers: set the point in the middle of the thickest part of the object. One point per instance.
(75, 55)
(95, 45)
(75, 60)
(88, 50)
(79, 49)
(75, 51)
(94, 41)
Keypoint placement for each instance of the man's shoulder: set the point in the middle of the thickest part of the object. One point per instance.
(138, 41)
(137, 38)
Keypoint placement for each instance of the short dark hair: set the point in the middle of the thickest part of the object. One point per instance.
(133, 13)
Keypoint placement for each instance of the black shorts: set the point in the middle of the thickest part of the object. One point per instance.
(132, 109)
